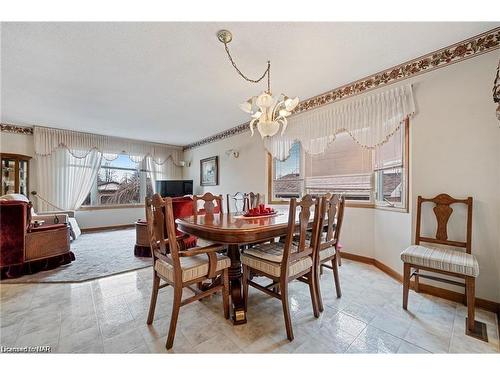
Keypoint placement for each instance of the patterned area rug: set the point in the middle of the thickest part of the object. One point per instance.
(97, 255)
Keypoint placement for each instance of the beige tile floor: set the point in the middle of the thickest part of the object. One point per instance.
(109, 316)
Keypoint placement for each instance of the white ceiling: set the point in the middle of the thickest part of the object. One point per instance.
(172, 82)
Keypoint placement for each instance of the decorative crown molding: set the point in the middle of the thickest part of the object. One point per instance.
(475, 46)
(9, 128)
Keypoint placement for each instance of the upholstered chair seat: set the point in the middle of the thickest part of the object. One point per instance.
(272, 252)
(193, 267)
(449, 259)
(267, 258)
(323, 253)
(326, 253)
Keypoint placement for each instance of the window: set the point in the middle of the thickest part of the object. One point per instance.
(344, 168)
(120, 181)
(391, 170)
(287, 181)
(372, 177)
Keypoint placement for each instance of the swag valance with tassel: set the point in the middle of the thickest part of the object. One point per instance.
(79, 145)
(68, 162)
(369, 120)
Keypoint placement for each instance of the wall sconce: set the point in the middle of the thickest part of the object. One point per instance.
(183, 163)
(234, 153)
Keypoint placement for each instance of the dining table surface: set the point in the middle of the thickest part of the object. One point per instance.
(235, 231)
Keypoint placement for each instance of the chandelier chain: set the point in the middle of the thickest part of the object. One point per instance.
(266, 72)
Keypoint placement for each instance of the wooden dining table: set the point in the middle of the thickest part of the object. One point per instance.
(233, 230)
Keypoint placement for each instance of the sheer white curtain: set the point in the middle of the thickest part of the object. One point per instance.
(370, 119)
(167, 170)
(65, 179)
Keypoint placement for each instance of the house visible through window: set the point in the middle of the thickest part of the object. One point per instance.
(287, 176)
(345, 167)
(389, 170)
(363, 175)
(120, 181)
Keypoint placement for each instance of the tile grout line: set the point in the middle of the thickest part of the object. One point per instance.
(95, 315)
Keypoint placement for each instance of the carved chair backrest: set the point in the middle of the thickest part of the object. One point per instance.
(210, 202)
(254, 199)
(236, 202)
(339, 219)
(161, 229)
(329, 211)
(304, 211)
(442, 209)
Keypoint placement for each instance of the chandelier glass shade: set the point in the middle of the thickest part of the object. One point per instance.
(268, 113)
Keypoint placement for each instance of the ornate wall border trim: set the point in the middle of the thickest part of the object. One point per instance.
(475, 46)
(9, 128)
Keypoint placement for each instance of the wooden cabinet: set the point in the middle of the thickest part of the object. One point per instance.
(15, 174)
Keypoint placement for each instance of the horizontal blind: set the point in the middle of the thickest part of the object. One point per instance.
(390, 154)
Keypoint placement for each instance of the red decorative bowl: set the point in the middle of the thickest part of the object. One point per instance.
(257, 212)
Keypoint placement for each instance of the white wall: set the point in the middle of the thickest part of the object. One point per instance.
(17, 144)
(246, 173)
(454, 148)
(455, 142)
(109, 217)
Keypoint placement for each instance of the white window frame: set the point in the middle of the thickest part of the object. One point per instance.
(403, 205)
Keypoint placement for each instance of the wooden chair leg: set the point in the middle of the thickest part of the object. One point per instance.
(313, 291)
(336, 277)
(154, 297)
(406, 284)
(318, 289)
(175, 314)
(339, 257)
(470, 284)
(416, 282)
(244, 282)
(225, 293)
(286, 309)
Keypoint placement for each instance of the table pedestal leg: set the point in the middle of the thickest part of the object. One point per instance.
(239, 315)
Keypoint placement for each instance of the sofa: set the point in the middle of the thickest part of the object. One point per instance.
(26, 248)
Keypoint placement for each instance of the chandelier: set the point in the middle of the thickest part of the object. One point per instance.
(268, 113)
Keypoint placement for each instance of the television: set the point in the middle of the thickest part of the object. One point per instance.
(174, 188)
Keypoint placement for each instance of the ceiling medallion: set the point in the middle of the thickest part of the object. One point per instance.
(268, 113)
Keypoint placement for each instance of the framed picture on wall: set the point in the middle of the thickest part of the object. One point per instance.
(209, 171)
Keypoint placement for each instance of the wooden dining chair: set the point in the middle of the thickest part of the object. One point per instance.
(236, 202)
(181, 268)
(338, 227)
(449, 260)
(254, 199)
(212, 204)
(331, 217)
(283, 262)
